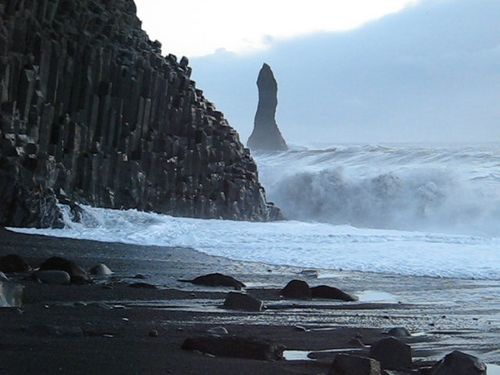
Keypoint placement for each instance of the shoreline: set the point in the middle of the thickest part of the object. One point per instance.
(442, 314)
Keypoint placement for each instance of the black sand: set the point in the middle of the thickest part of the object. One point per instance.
(95, 329)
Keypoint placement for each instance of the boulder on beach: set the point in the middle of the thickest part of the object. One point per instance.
(392, 354)
(78, 274)
(215, 280)
(100, 270)
(242, 301)
(346, 364)
(237, 347)
(53, 277)
(13, 263)
(329, 292)
(399, 332)
(296, 289)
(459, 363)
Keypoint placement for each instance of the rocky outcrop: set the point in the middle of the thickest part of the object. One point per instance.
(216, 280)
(91, 112)
(459, 363)
(296, 289)
(242, 301)
(266, 136)
(330, 292)
(392, 354)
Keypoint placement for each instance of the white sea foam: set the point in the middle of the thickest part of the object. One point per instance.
(411, 211)
(297, 243)
(453, 190)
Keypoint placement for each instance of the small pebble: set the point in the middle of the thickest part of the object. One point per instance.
(153, 333)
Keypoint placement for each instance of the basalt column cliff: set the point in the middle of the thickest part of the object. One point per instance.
(90, 112)
(266, 136)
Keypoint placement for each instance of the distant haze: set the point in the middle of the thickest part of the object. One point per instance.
(429, 73)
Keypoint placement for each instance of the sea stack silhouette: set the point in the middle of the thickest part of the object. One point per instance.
(266, 136)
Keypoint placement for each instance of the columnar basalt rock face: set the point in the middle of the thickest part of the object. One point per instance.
(91, 112)
(266, 136)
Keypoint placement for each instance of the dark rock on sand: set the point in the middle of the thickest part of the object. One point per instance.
(329, 292)
(54, 277)
(346, 364)
(78, 274)
(13, 263)
(215, 280)
(153, 333)
(238, 347)
(266, 136)
(392, 354)
(90, 111)
(399, 332)
(296, 289)
(242, 301)
(458, 363)
(100, 270)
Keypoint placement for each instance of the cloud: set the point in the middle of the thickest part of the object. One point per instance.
(200, 27)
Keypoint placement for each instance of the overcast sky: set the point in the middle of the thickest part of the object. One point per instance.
(201, 27)
(399, 71)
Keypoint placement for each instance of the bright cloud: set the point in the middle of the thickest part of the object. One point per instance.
(200, 27)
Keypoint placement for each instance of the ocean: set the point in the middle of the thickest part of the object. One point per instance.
(399, 209)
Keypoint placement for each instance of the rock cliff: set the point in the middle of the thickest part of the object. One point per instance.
(90, 112)
(266, 136)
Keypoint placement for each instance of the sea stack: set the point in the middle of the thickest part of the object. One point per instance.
(266, 136)
(92, 112)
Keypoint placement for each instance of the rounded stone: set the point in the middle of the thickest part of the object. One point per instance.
(296, 289)
(54, 277)
(100, 270)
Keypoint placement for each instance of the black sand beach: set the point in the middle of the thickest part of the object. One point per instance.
(110, 327)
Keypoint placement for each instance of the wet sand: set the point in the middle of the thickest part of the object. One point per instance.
(105, 327)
